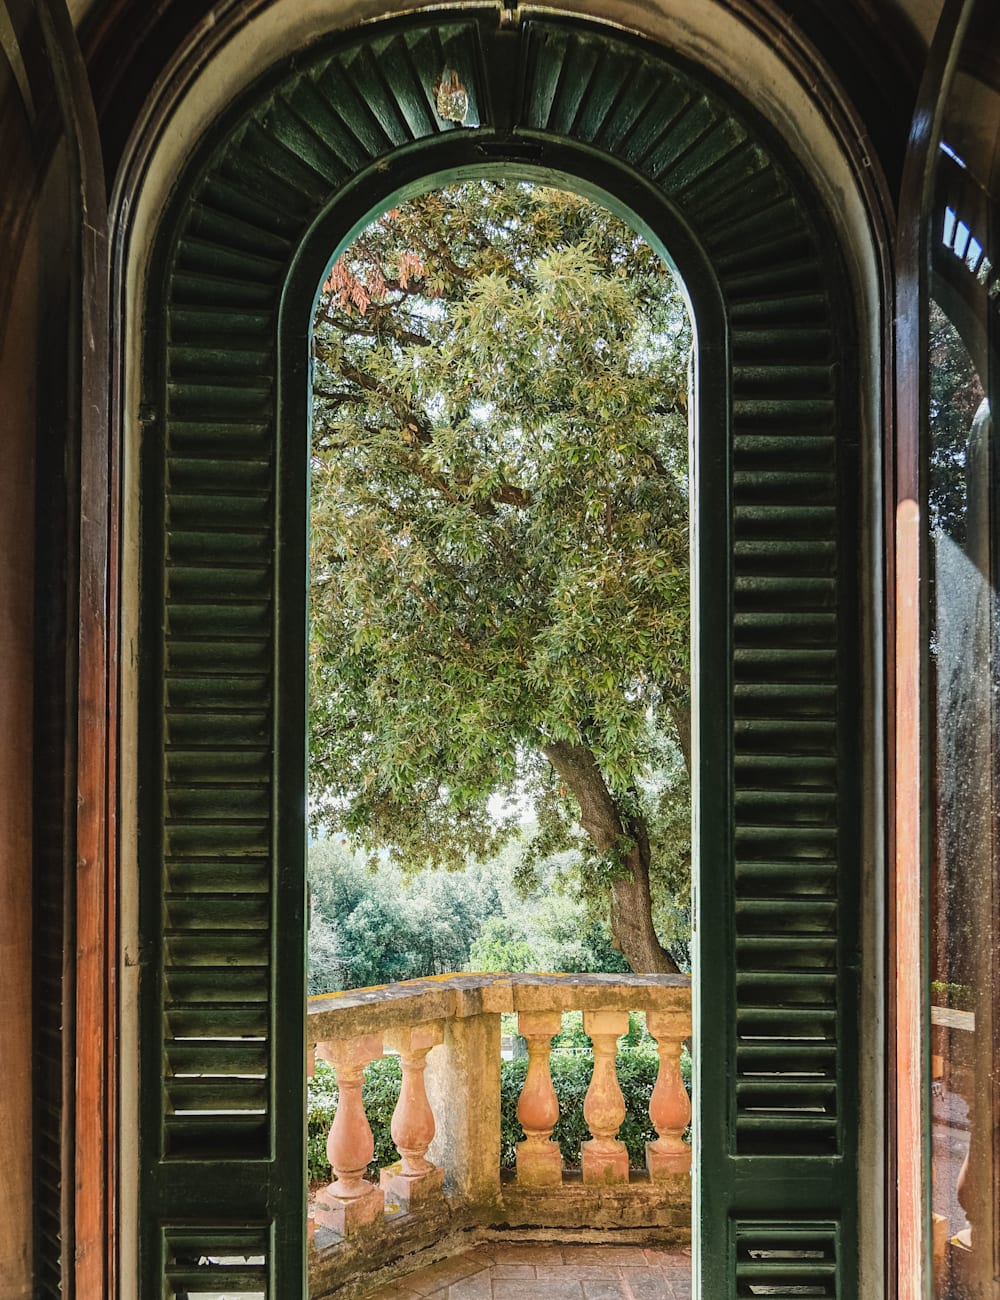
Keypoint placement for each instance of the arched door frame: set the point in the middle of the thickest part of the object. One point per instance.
(635, 206)
(623, 191)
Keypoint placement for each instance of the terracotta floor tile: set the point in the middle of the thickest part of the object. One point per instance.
(531, 1290)
(477, 1287)
(659, 1255)
(428, 1280)
(577, 1272)
(647, 1284)
(541, 1271)
(605, 1289)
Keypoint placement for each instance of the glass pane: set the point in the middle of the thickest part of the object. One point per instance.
(964, 695)
(964, 677)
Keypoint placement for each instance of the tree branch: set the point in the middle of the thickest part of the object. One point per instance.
(348, 325)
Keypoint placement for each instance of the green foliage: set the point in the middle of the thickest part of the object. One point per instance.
(637, 1067)
(499, 526)
(669, 823)
(503, 945)
(321, 1107)
(547, 924)
(572, 1035)
(961, 997)
(954, 396)
(572, 939)
(572, 1038)
(327, 961)
(372, 926)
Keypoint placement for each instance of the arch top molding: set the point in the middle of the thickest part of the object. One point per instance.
(744, 44)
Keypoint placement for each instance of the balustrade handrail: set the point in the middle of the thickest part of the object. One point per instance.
(459, 995)
(446, 1125)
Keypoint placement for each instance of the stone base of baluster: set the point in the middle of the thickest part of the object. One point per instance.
(604, 1164)
(539, 1164)
(411, 1191)
(665, 1162)
(350, 1216)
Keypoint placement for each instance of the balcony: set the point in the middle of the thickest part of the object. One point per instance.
(447, 1199)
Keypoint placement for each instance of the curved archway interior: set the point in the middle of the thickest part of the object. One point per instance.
(293, 169)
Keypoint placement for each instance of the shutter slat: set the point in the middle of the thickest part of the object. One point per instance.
(238, 1058)
(187, 877)
(217, 436)
(208, 1020)
(217, 357)
(196, 288)
(189, 987)
(215, 258)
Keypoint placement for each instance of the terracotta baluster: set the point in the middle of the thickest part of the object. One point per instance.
(669, 1106)
(539, 1160)
(350, 1203)
(413, 1179)
(605, 1159)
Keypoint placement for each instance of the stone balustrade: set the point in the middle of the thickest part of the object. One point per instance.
(446, 1125)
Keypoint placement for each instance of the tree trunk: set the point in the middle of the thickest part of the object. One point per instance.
(632, 910)
(631, 904)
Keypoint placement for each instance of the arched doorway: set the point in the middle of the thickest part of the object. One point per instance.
(294, 168)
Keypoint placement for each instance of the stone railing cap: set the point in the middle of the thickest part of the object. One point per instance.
(456, 996)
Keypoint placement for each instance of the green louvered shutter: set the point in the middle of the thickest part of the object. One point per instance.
(221, 892)
(222, 634)
(779, 1080)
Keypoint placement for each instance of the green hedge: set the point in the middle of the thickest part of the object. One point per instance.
(570, 1073)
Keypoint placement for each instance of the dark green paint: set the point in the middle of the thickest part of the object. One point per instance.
(284, 180)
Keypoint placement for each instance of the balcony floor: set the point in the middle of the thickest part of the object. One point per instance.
(541, 1271)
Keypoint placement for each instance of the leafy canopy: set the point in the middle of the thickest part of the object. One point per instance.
(499, 520)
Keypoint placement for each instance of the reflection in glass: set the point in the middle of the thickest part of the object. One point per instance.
(965, 623)
(963, 514)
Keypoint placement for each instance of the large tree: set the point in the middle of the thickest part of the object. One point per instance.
(499, 569)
